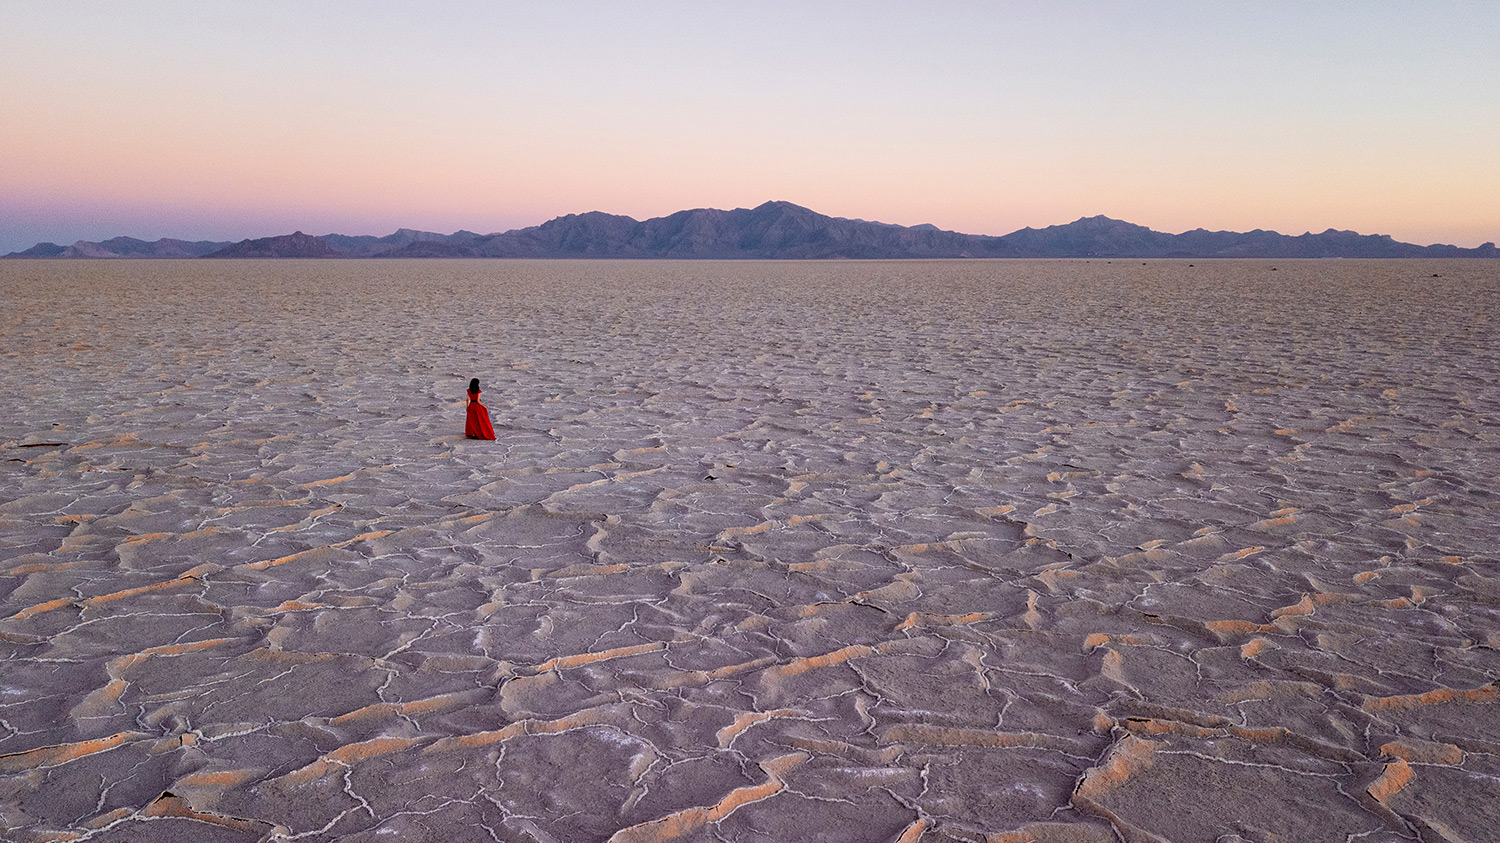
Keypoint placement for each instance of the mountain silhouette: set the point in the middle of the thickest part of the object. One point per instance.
(778, 230)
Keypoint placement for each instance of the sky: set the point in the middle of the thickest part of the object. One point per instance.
(226, 120)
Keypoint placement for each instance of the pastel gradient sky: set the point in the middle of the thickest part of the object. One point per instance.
(225, 120)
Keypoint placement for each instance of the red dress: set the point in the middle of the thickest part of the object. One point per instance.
(477, 425)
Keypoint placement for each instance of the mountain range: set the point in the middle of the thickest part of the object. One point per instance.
(775, 230)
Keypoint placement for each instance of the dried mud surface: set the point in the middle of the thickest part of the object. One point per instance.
(1013, 551)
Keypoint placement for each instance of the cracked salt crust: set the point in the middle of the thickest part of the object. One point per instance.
(1000, 551)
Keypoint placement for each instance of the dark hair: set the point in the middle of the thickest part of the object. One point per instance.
(474, 385)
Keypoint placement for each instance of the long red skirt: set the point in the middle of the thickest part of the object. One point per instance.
(477, 425)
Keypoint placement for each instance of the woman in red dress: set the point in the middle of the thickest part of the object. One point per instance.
(477, 425)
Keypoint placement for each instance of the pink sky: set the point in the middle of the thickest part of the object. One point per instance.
(226, 120)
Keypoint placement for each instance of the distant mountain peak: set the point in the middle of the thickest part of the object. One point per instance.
(294, 245)
(783, 205)
(1100, 220)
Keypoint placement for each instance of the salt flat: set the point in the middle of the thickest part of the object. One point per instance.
(980, 551)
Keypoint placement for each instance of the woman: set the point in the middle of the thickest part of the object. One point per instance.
(477, 425)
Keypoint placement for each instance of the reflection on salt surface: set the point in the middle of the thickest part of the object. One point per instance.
(764, 551)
